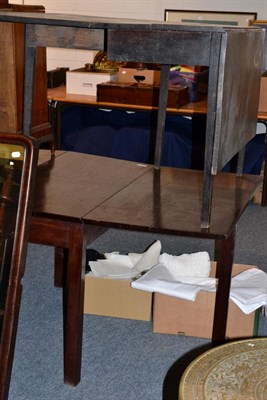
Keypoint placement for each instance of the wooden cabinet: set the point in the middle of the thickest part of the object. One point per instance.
(12, 78)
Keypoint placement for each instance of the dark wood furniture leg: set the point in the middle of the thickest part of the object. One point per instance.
(70, 240)
(264, 185)
(225, 253)
(73, 302)
(61, 257)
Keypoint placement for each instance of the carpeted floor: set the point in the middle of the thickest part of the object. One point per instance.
(122, 359)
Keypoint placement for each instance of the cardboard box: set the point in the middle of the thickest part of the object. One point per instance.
(80, 81)
(132, 75)
(116, 298)
(172, 315)
(263, 94)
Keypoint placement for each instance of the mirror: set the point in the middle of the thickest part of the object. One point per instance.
(18, 163)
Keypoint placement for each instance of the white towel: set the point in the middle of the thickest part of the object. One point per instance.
(159, 279)
(121, 266)
(249, 290)
(194, 264)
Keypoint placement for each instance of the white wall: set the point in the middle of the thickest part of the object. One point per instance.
(142, 9)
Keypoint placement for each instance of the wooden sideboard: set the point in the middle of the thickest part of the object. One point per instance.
(12, 78)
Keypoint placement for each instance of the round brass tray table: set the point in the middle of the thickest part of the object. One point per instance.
(233, 371)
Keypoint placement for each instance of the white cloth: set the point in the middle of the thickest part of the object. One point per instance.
(159, 279)
(194, 264)
(249, 290)
(121, 266)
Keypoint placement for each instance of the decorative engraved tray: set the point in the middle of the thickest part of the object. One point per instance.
(233, 371)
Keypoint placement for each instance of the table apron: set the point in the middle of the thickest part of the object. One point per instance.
(59, 36)
(161, 47)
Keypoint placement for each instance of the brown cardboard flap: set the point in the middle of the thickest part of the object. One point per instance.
(172, 315)
(116, 298)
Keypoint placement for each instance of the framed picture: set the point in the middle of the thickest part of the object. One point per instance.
(210, 17)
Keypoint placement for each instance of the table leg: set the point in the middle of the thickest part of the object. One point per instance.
(225, 250)
(163, 99)
(264, 185)
(73, 298)
(30, 57)
(60, 266)
(240, 162)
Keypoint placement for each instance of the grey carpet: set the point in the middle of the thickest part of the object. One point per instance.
(122, 359)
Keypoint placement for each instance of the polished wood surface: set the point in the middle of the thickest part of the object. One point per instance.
(15, 210)
(169, 201)
(199, 107)
(93, 180)
(12, 77)
(127, 195)
(59, 94)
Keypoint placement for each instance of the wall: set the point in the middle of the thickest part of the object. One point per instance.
(141, 9)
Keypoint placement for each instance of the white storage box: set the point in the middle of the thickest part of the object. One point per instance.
(80, 81)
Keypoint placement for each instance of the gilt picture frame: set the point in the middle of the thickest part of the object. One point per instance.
(210, 17)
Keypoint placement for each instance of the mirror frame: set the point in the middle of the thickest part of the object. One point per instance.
(18, 259)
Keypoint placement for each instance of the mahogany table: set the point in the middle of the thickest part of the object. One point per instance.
(79, 194)
(131, 196)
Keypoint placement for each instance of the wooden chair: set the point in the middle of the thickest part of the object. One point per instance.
(18, 162)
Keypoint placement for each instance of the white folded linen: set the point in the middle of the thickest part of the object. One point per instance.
(121, 266)
(148, 259)
(249, 290)
(117, 266)
(159, 279)
(194, 264)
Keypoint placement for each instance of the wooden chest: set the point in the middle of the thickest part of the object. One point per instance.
(140, 94)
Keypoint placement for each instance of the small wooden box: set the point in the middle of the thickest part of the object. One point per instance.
(140, 94)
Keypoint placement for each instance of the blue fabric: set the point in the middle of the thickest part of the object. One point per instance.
(131, 136)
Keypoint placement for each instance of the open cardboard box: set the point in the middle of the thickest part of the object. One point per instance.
(132, 75)
(116, 298)
(172, 315)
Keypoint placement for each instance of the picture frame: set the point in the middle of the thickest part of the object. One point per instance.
(210, 17)
(261, 23)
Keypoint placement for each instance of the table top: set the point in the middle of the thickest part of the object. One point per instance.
(200, 107)
(94, 22)
(59, 94)
(125, 194)
(237, 370)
